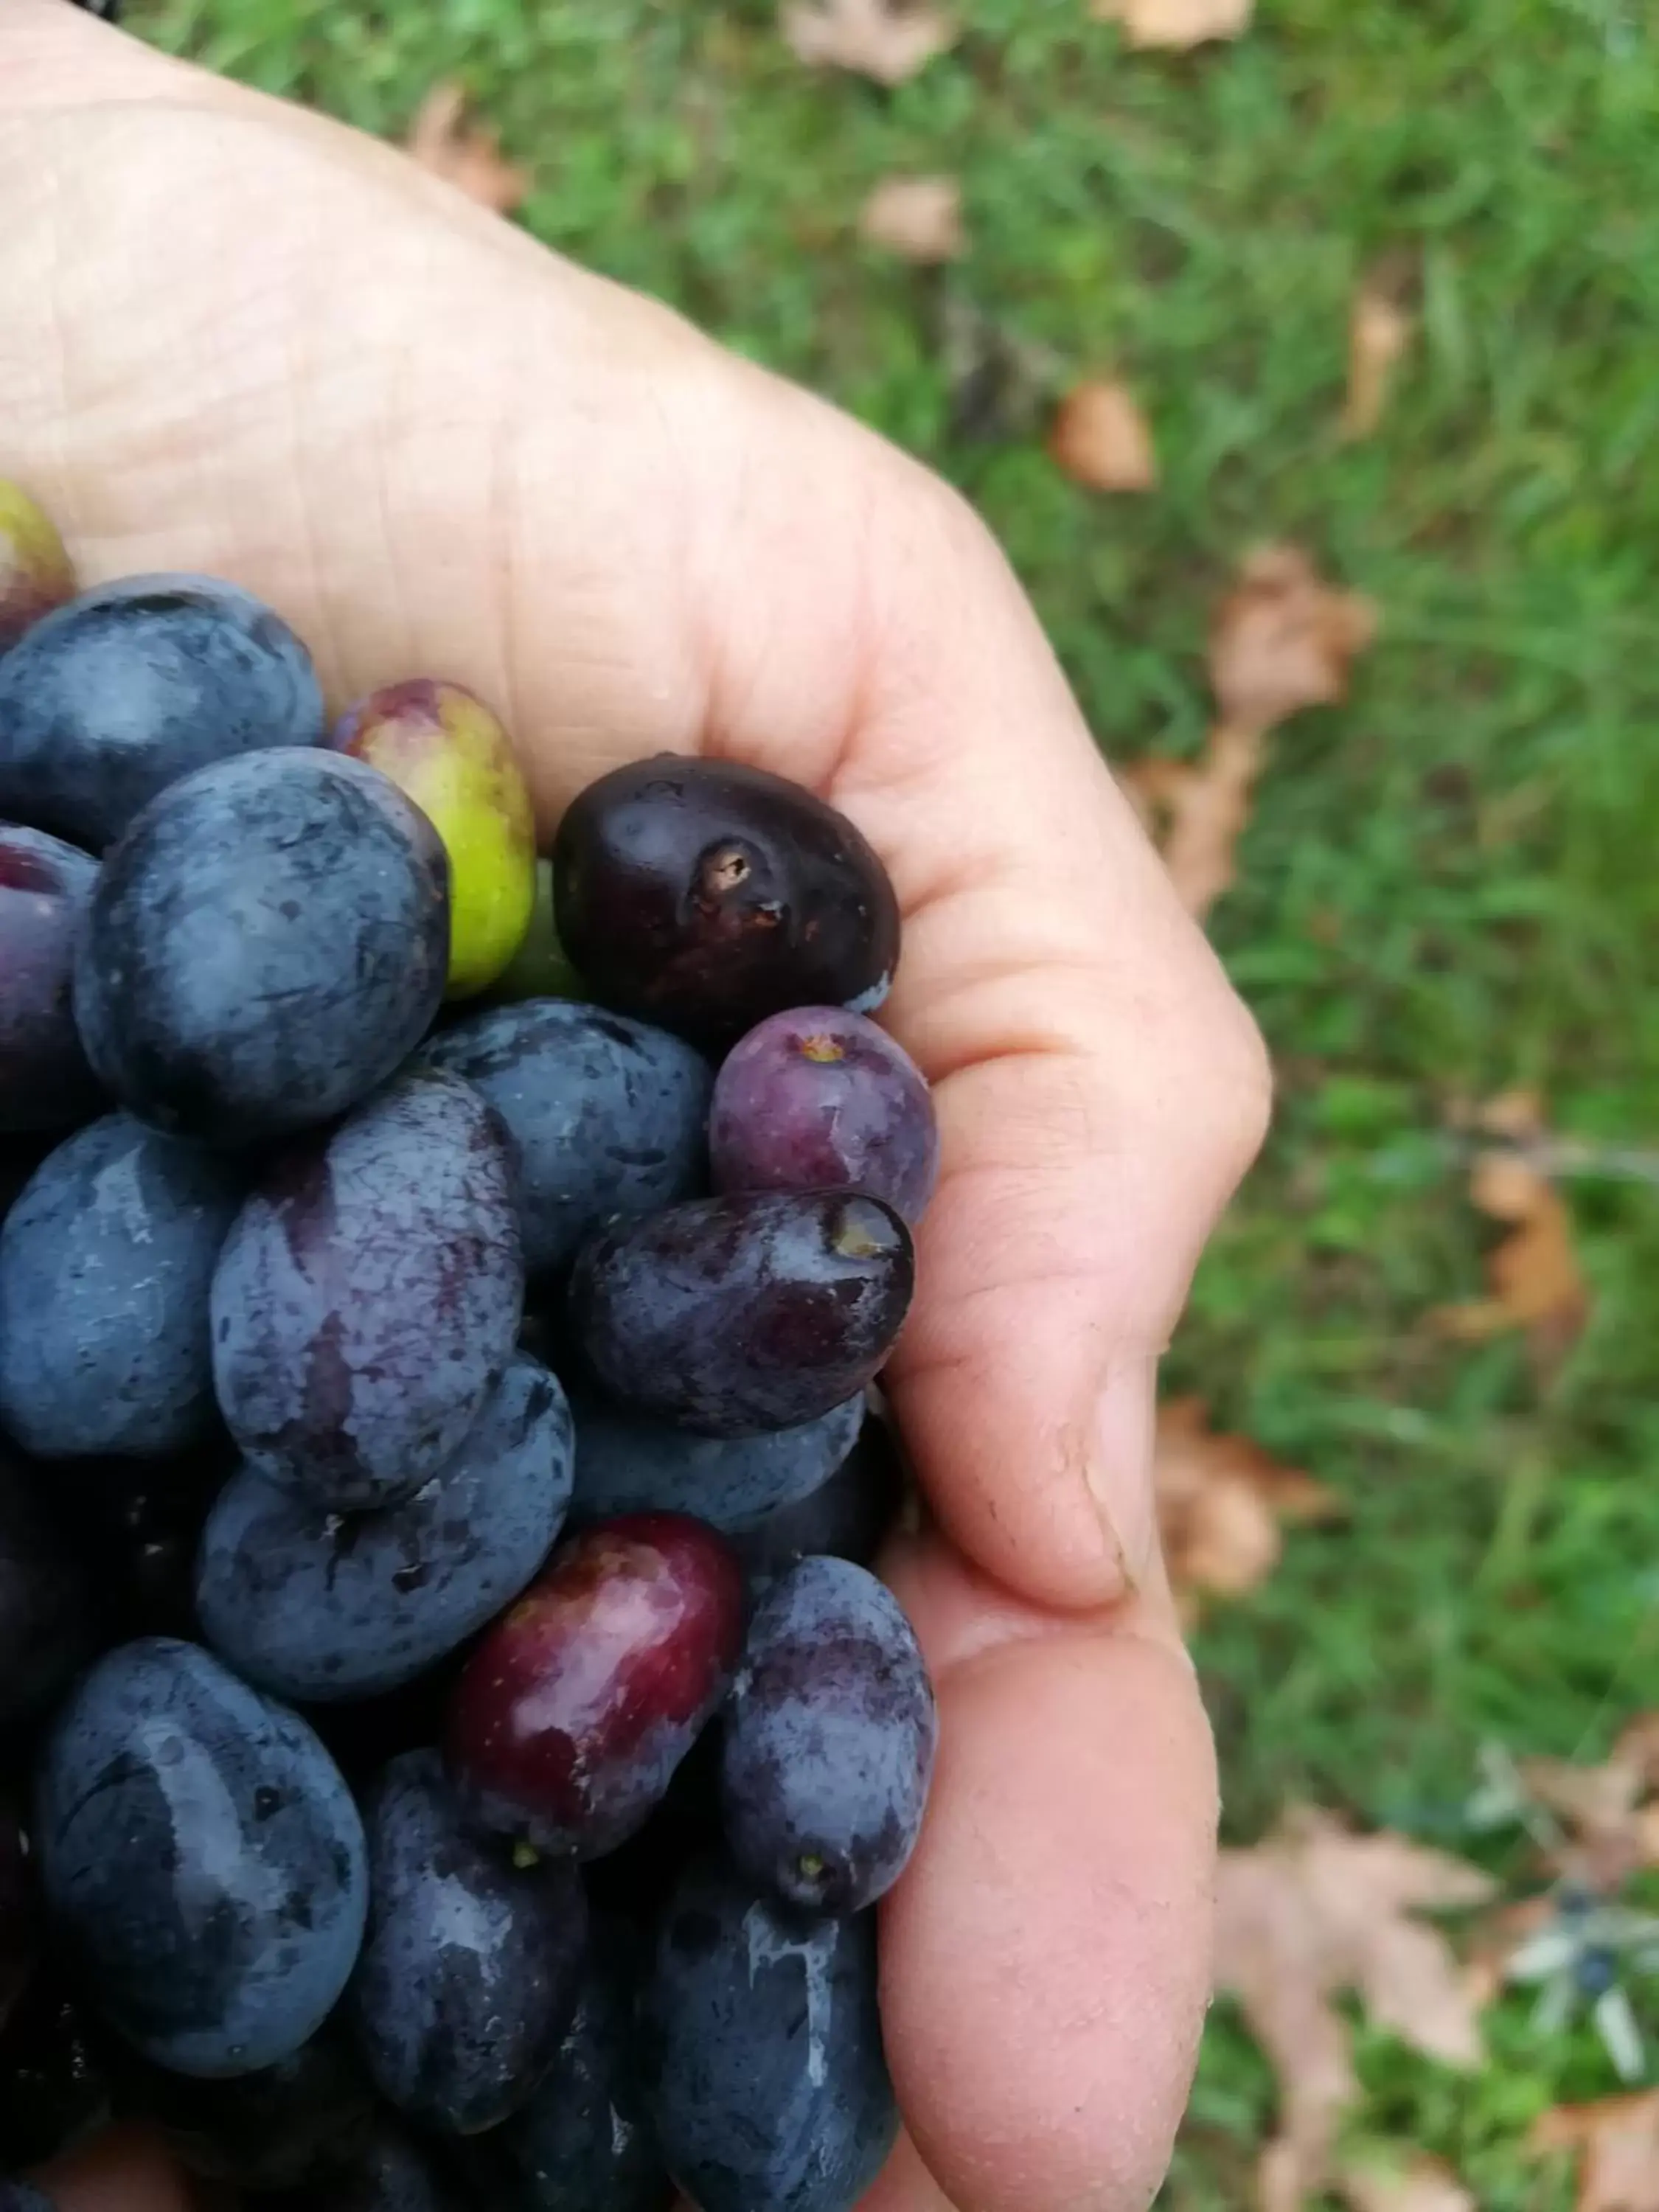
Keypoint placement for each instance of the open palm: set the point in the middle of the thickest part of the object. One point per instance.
(240, 339)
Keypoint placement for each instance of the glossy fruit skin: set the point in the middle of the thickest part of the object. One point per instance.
(829, 1742)
(367, 1298)
(819, 1098)
(272, 2129)
(625, 1464)
(266, 943)
(471, 1964)
(849, 1517)
(47, 1615)
(136, 684)
(44, 888)
(36, 574)
(385, 2174)
(541, 968)
(199, 1848)
(315, 1605)
(572, 1714)
(765, 2078)
(105, 1265)
(706, 895)
(56, 2075)
(732, 1315)
(441, 744)
(581, 2144)
(607, 1114)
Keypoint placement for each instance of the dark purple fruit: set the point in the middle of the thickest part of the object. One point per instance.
(105, 1265)
(471, 1964)
(573, 1712)
(761, 2056)
(625, 1464)
(266, 943)
(848, 1516)
(608, 1115)
(368, 1299)
(20, 1930)
(707, 896)
(36, 574)
(45, 887)
(316, 1605)
(736, 1315)
(819, 1098)
(828, 1741)
(389, 2172)
(123, 691)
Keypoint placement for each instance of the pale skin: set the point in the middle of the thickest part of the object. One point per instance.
(238, 338)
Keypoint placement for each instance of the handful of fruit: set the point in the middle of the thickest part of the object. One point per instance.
(454, 1737)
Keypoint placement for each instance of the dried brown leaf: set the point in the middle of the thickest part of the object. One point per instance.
(1609, 1809)
(1313, 1911)
(1617, 2140)
(890, 41)
(1221, 1499)
(1534, 1275)
(1283, 640)
(1174, 22)
(919, 217)
(1379, 331)
(1100, 437)
(1421, 2185)
(471, 159)
(1199, 812)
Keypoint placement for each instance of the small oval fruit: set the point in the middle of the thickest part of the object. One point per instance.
(706, 895)
(821, 1099)
(541, 967)
(44, 888)
(440, 742)
(203, 1858)
(628, 1464)
(122, 691)
(758, 1310)
(471, 1964)
(367, 1298)
(36, 574)
(829, 1744)
(574, 1709)
(266, 943)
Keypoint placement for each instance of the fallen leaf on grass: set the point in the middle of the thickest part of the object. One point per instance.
(1617, 2139)
(1221, 1499)
(879, 38)
(1379, 331)
(470, 158)
(1101, 438)
(1422, 2184)
(1197, 813)
(919, 217)
(1316, 1910)
(1533, 1273)
(1283, 639)
(1612, 1810)
(1174, 22)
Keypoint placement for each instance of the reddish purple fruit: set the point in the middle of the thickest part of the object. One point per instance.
(570, 1717)
(45, 885)
(819, 1098)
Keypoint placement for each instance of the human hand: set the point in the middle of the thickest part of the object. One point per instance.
(240, 339)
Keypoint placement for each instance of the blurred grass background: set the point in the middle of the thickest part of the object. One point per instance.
(1449, 886)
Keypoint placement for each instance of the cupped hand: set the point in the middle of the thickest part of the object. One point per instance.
(241, 339)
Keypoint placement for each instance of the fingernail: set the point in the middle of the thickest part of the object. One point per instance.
(1120, 1467)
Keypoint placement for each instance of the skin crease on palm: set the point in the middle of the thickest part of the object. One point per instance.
(240, 339)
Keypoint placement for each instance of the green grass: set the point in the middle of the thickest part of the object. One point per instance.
(1447, 887)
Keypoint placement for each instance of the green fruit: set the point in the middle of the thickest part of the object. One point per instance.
(443, 747)
(35, 572)
(540, 968)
